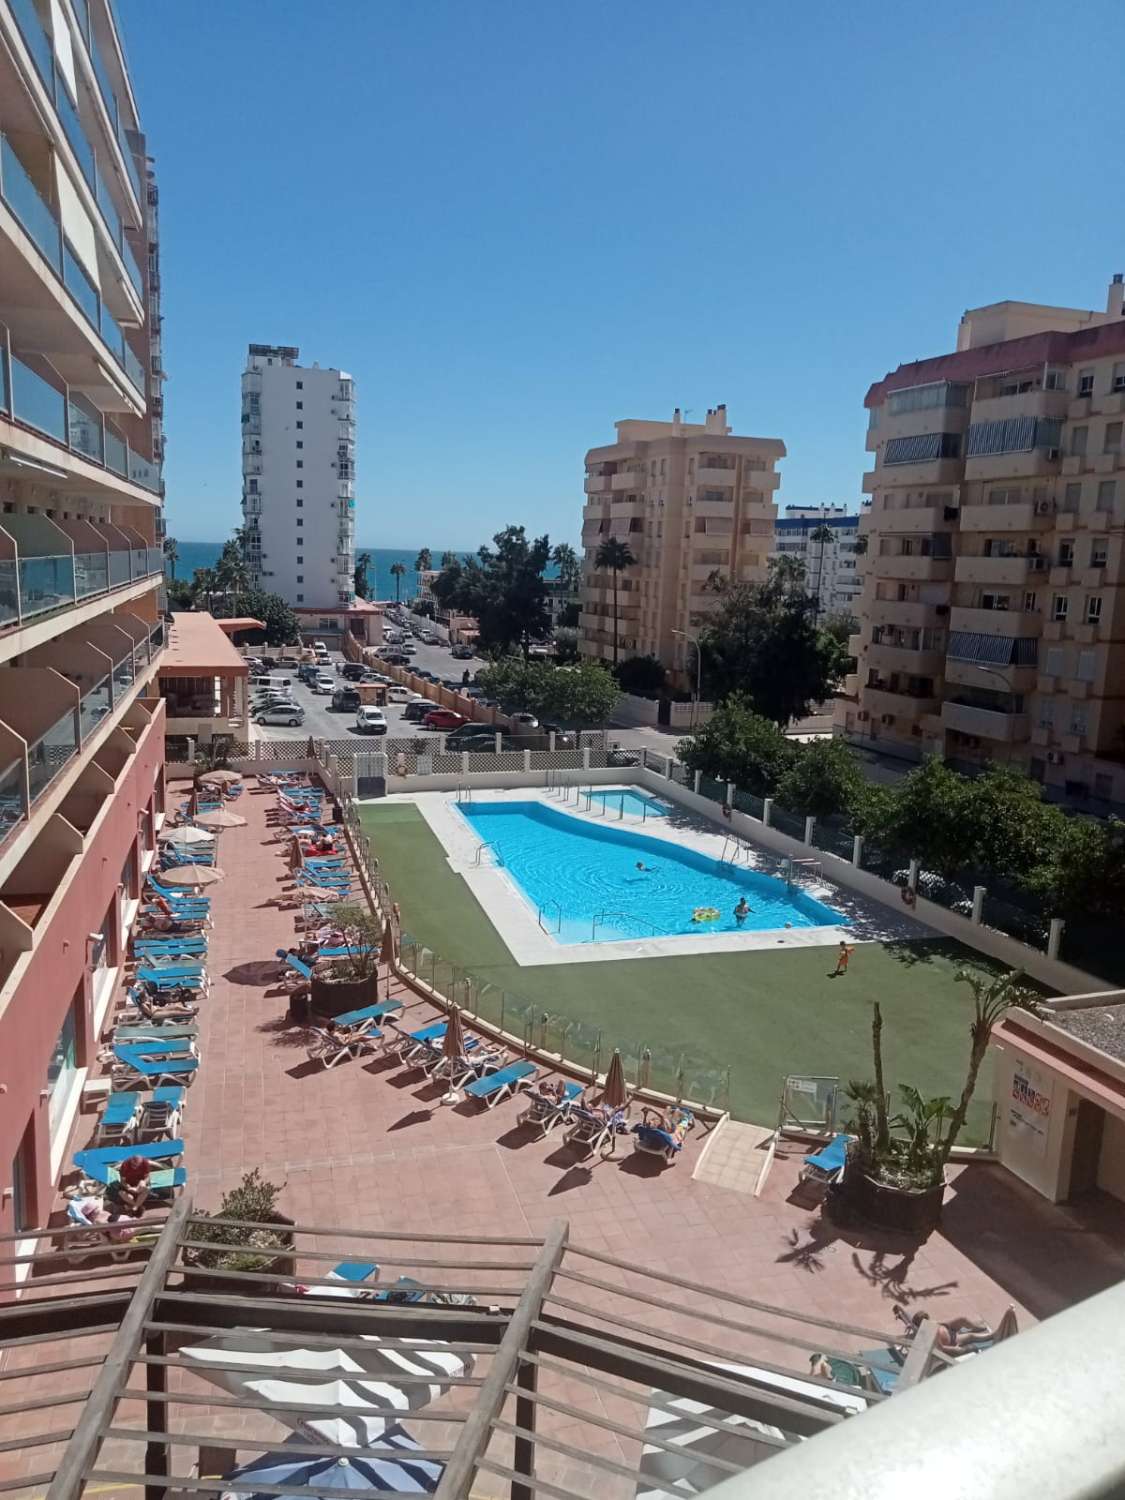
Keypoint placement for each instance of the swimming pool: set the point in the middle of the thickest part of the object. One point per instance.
(633, 804)
(582, 880)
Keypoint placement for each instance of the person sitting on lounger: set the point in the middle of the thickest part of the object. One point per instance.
(126, 1197)
(954, 1333)
(552, 1090)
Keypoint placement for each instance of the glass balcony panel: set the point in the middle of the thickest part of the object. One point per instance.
(75, 134)
(85, 427)
(112, 334)
(94, 706)
(36, 40)
(104, 86)
(130, 164)
(27, 203)
(140, 562)
(118, 569)
(155, 560)
(143, 472)
(133, 367)
(132, 267)
(13, 805)
(116, 452)
(46, 583)
(123, 674)
(36, 402)
(5, 387)
(156, 636)
(91, 573)
(50, 753)
(81, 288)
(9, 592)
(109, 210)
(82, 13)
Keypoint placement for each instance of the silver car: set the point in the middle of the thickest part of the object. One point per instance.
(279, 713)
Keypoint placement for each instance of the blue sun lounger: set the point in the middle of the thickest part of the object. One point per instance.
(96, 1161)
(298, 966)
(154, 1046)
(369, 1013)
(159, 1032)
(828, 1164)
(496, 1086)
(171, 976)
(134, 1070)
(118, 1118)
(130, 1112)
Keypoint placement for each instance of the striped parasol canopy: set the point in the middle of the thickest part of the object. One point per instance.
(184, 833)
(193, 875)
(222, 778)
(389, 1466)
(220, 818)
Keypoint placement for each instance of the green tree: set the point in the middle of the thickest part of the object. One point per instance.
(641, 674)
(615, 555)
(580, 696)
(282, 625)
(992, 997)
(762, 641)
(1082, 873)
(932, 817)
(398, 573)
(205, 584)
(840, 625)
(569, 615)
(181, 594)
(424, 561)
(822, 779)
(363, 568)
(449, 559)
(822, 535)
(567, 561)
(232, 577)
(504, 589)
(739, 745)
(1015, 829)
(171, 555)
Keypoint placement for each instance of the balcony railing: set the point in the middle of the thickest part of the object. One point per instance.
(91, 573)
(13, 801)
(95, 704)
(37, 403)
(34, 586)
(50, 753)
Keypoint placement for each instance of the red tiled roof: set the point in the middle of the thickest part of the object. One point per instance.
(1011, 354)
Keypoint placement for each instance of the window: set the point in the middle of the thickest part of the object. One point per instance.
(300, 501)
(1031, 604)
(1099, 552)
(1046, 713)
(1107, 494)
(1112, 442)
(923, 398)
(923, 448)
(300, 463)
(300, 427)
(1013, 435)
(299, 443)
(1066, 552)
(1103, 785)
(1078, 718)
(300, 578)
(300, 520)
(1093, 608)
(1119, 376)
(1056, 661)
(300, 406)
(1073, 496)
(995, 601)
(300, 562)
(1085, 382)
(1059, 606)
(1078, 438)
(1087, 665)
(300, 386)
(61, 1069)
(300, 486)
(300, 598)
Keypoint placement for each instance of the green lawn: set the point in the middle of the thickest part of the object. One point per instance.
(760, 1014)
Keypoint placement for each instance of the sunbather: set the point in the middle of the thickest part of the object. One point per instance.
(952, 1335)
(126, 1197)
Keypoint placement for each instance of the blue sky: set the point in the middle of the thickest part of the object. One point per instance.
(517, 221)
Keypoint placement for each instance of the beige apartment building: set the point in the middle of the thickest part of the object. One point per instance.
(692, 501)
(993, 610)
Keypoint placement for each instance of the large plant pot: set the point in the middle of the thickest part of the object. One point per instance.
(284, 1263)
(335, 997)
(907, 1210)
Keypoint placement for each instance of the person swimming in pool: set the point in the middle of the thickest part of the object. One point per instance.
(742, 910)
(645, 869)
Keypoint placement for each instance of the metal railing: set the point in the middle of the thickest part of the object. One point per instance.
(605, 916)
(497, 856)
(543, 908)
(47, 755)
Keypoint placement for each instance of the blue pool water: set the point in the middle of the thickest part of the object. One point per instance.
(582, 878)
(634, 804)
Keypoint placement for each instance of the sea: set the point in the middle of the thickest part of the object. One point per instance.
(193, 555)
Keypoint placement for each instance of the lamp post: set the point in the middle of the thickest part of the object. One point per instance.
(688, 635)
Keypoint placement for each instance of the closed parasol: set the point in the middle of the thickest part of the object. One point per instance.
(453, 1049)
(615, 1095)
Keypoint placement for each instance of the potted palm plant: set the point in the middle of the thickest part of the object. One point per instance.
(895, 1174)
(351, 981)
(248, 1233)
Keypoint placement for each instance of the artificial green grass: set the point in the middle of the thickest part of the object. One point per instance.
(762, 1015)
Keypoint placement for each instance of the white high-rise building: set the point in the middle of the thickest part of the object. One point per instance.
(298, 478)
(833, 568)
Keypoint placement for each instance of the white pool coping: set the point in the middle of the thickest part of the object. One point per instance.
(516, 920)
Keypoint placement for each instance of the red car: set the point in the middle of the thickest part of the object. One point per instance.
(444, 718)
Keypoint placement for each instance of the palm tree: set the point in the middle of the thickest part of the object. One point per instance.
(424, 561)
(398, 573)
(615, 555)
(362, 577)
(171, 555)
(205, 584)
(449, 560)
(992, 996)
(232, 576)
(565, 559)
(822, 534)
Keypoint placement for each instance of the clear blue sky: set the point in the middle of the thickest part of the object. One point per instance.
(515, 221)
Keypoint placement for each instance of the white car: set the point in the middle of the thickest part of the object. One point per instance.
(524, 721)
(293, 715)
(324, 684)
(370, 720)
(402, 695)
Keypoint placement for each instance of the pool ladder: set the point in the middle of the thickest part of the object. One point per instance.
(626, 916)
(543, 909)
(497, 857)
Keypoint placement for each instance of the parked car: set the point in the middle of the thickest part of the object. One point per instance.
(370, 720)
(403, 695)
(462, 653)
(408, 648)
(524, 721)
(292, 714)
(444, 718)
(478, 737)
(618, 756)
(428, 638)
(353, 670)
(288, 661)
(421, 672)
(324, 683)
(308, 672)
(346, 699)
(320, 648)
(397, 657)
(416, 710)
(373, 676)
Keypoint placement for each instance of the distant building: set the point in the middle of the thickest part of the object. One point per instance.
(692, 501)
(298, 478)
(833, 569)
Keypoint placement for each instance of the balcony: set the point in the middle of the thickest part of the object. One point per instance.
(1029, 515)
(923, 520)
(1029, 463)
(1017, 679)
(1033, 403)
(998, 569)
(1006, 622)
(913, 568)
(885, 700)
(985, 723)
(906, 613)
(628, 480)
(598, 484)
(916, 661)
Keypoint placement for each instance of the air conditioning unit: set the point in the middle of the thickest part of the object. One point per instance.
(1055, 758)
(1044, 507)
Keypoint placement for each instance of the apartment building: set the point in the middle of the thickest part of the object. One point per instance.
(693, 502)
(833, 564)
(298, 478)
(81, 740)
(993, 611)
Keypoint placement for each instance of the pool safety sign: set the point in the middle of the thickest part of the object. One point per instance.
(1029, 1108)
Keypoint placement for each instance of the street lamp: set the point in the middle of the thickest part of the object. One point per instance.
(694, 639)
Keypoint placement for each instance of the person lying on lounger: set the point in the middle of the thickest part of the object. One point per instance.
(953, 1334)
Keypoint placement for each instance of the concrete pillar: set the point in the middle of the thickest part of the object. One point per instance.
(441, 744)
(978, 904)
(527, 760)
(586, 758)
(767, 811)
(499, 745)
(912, 875)
(551, 742)
(697, 782)
(730, 794)
(857, 850)
(464, 762)
(810, 824)
(1054, 938)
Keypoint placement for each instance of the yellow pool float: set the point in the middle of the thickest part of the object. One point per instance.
(705, 914)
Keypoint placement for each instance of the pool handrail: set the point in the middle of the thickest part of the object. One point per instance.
(496, 854)
(606, 913)
(550, 901)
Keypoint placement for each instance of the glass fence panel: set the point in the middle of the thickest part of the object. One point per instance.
(140, 562)
(28, 205)
(50, 753)
(111, 333)
(118, 568)
(91, 573)
(133, 367)
(104, 84)
(36, 41)
(143, 472)
(95, 705)
(9, 592)
(84, 427)
(79, 285)
(75, 134)
(45, 583)
(116, 457)
(13, 804)
(155, 560)
(130, 164)
(108, 208)
(156, 636)
(37, 402)
(131, 266)
(123, 673)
